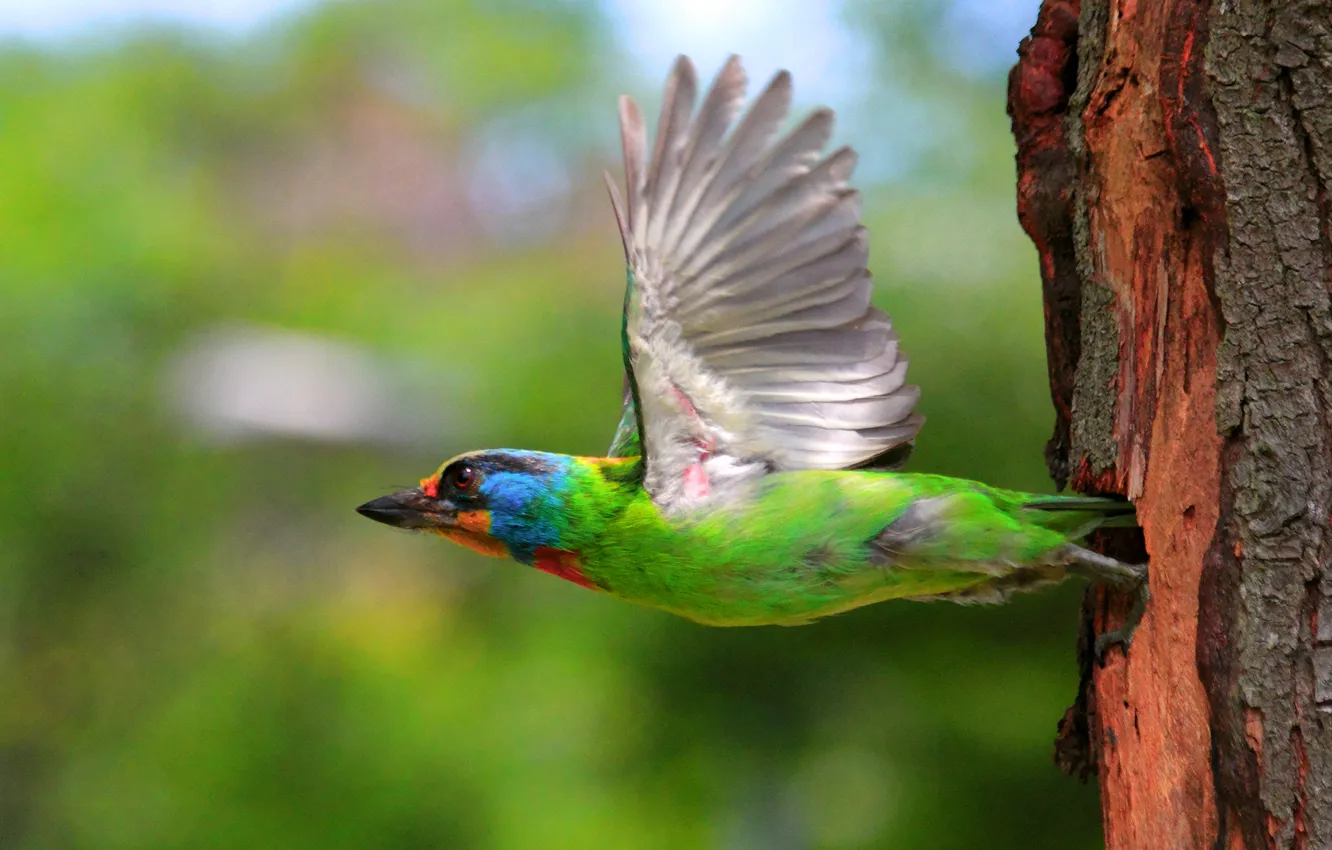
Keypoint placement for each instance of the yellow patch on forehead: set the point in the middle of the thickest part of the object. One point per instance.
(446, 464)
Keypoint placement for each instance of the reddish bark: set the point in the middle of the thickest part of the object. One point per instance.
(1171, 171)
(1039, 89)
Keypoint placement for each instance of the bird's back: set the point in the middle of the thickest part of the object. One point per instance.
(801, 545)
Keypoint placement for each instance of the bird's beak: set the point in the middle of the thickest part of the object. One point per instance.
(409, 509)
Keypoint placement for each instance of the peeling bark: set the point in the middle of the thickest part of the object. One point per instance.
(1173, 160)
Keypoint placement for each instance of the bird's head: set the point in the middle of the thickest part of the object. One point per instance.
(501, 503)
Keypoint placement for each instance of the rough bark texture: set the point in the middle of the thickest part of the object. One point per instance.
(1172, 166)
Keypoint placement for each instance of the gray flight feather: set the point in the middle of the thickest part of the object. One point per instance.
(750, 342)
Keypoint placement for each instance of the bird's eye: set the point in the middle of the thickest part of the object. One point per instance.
(462, 477)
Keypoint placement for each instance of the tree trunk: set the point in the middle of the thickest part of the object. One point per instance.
(1173, 159)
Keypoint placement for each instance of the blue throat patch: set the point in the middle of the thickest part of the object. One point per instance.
(521, 506)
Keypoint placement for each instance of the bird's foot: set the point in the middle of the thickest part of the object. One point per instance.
(1123, 636)
(1101, 568)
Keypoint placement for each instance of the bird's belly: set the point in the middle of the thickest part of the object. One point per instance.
(757, 592)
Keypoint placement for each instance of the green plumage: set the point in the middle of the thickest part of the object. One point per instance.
(811, 543)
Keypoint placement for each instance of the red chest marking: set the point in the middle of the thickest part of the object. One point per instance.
(560, 563)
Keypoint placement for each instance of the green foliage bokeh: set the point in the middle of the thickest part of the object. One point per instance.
(202, 646)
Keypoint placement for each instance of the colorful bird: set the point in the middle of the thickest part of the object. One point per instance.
(765, 404)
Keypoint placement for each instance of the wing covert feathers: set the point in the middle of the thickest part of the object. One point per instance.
(749, 329)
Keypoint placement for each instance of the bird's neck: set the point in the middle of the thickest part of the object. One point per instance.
(600, 488)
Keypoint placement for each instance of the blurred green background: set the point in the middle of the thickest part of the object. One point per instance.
(252, 278)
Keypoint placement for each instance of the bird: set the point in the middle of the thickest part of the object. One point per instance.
(754, 476)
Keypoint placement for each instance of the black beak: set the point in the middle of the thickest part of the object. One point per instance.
(409, 509)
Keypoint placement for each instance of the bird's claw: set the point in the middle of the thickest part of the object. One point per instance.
(1123, 636)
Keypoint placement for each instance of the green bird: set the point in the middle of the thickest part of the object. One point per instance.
(749, 481)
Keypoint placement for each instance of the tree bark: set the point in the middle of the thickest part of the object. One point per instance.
(1173, 159)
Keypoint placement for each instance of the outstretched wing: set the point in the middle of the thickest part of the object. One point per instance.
(750, 343)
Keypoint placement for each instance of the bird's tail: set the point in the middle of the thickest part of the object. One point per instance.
(1076, 516)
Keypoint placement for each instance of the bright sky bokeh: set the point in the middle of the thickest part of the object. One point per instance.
(808, 37)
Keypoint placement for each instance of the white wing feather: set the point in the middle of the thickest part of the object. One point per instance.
(749, 329)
